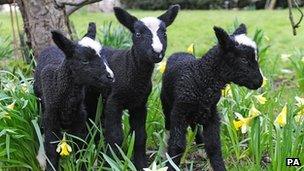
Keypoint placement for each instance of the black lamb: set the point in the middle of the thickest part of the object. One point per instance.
(133, 70)
(192, 88)
(60, 78)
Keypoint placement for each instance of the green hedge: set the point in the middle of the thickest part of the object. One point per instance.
(163, 4)
(202, 4)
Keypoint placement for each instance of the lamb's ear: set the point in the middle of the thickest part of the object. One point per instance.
(91, 33)
(63, 43)
(169, 16)
(223, 38)
(242, 29)
(125, 18)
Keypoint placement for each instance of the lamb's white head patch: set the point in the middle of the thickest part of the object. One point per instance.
(153, 24)
(90, 43)
(108, 68)
(96, 46)
(244, 40)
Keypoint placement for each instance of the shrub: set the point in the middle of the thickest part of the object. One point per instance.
(163, 4)
(116, 37)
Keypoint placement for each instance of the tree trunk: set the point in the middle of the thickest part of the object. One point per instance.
(39, 18)
(42, 16)
(272, 4)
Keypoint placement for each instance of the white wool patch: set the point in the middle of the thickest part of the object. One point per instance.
(244, 40)
(108, 69)
(153, 25)
(90, 43)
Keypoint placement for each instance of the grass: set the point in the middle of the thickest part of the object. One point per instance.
(263, 147)
(196, 27)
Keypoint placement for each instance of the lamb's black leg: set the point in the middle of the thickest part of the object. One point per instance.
(52, 134)
(167, 108)
(112, 123)
(91, 101)
(177, 140)
(198, 133)
(137, 122)
(79, 129)
(212, 141)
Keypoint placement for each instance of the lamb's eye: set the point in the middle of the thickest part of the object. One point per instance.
(243, 60)
(138, 34)
(84, 61)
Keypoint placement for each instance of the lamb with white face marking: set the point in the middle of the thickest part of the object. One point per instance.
(148, 34)
(96, 46)
(246, 41)
(191, 89)
(133, 70)
(245, 64)
(62, 74)
(154, 24)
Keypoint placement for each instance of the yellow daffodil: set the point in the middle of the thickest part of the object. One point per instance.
(264, 81)
(267, 38)
(261, 99)
(162, 67)
(281, 118)
(11, 106)
(299, 118)
(9, 87)
(154, 168)
(63, 148)
(226, 91)
(24, 88)
(242, 123)
(253, 112)
(190, 49)
(300, 101)
(5, 115)
(301, 111)
(300, 104)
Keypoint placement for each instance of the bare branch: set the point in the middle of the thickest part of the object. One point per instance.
(293, 24)
(302, 15)
(74, 6)
(72, 3)
(2, 2)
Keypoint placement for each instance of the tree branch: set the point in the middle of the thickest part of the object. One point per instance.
(293, 24)
(2, 2)
(74, 6)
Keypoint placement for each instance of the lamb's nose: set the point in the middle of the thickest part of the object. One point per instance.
(112, 79)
